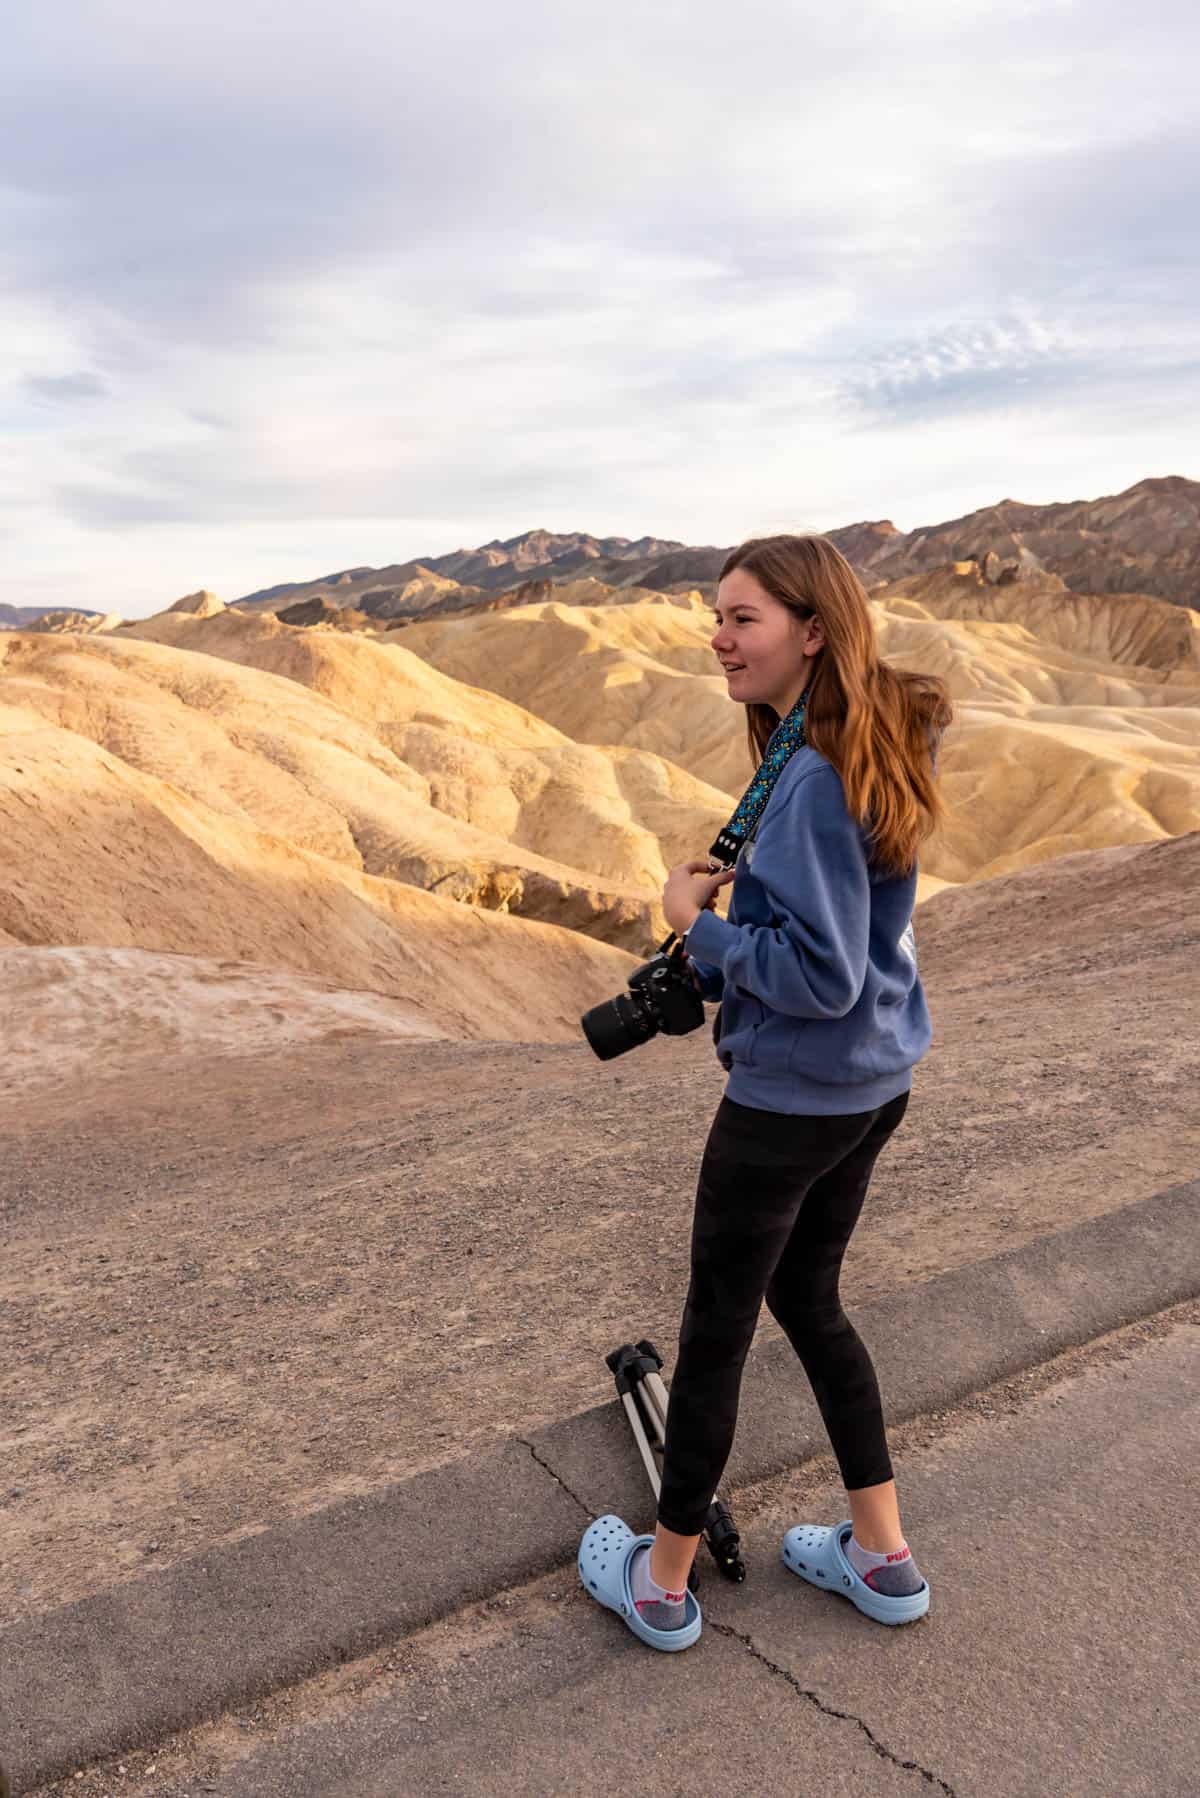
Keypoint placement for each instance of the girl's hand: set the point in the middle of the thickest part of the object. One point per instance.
(691, 888)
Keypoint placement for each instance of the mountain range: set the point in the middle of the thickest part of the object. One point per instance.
(1144, 540)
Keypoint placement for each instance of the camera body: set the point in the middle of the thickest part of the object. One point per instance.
(662, 996)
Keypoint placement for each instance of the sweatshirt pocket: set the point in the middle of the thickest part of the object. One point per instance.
(742, 1018)
(774, 1045)
(800, 1045)
(757, 1020)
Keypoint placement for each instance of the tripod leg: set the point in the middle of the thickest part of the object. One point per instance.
(659, 1398)
(720, 1532)
(646, 1400)
(655, 1410)
(640, 1437)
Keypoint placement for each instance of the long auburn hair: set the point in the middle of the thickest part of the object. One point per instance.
(879, 726)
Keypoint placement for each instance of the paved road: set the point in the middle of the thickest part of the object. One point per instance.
(1058, 1655)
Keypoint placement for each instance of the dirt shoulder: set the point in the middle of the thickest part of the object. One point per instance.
(235, 1289)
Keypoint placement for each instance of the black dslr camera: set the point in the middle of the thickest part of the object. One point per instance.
(662, 996)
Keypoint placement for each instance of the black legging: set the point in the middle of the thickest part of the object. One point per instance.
(777, 1201)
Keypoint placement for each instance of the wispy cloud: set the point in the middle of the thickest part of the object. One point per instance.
(968, 368)
(82, 385)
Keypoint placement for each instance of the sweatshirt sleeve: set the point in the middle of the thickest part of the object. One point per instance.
(811, 960)
(712, 980)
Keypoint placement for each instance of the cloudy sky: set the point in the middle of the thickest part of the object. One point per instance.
(288, 288)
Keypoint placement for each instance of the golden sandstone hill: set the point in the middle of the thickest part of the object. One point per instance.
(325, 805)
(462, 826)
(520, 793)
(1052, 750)
(99, 853)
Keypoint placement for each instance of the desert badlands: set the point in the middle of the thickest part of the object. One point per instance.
(297, 920)
(472, 816)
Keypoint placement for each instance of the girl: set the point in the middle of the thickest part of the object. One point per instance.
(822, 1019)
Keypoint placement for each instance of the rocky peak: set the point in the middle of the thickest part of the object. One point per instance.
(201, 605)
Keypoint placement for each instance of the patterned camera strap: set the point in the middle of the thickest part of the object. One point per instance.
(784, 741)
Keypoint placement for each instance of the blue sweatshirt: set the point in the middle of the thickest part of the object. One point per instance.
(822, 1008)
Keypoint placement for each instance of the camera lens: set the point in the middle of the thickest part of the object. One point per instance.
(617, 1025)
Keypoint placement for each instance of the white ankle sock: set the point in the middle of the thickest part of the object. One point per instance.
(902, 1575)
(660, 1608)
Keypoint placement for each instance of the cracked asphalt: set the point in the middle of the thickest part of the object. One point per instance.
(1053, 1657)
(555, 1476)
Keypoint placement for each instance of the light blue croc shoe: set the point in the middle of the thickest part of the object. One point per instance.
(604, 1557)
(816, 1553)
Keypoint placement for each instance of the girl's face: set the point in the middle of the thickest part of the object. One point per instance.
(764, 647)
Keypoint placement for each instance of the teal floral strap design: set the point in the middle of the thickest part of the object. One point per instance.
(784, 741)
